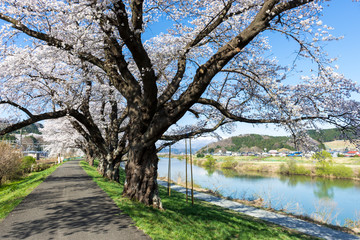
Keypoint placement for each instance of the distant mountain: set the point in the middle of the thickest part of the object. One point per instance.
(328, 135)
(257, 143)
(33, 128)
(178, 150)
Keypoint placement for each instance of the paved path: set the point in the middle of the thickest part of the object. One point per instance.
(68, 205)
(280, 219)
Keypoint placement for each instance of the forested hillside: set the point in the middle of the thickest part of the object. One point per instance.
(33, 128)
(260, 141)
(255, 142)
(250, 142)
(328, 135)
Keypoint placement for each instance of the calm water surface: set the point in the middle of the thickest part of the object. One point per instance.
(299, 194)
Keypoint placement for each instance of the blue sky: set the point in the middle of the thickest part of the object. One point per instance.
(344, 17)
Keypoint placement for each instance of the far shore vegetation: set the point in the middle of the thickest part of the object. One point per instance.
(315, 166)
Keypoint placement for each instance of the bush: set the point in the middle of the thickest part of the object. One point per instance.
(10, 162)
(283, 169)
(200, 155)
(342, 171)
(26, 163)
(228, 164)
(324, 163)
(291, 168)
(324, 168)
(41, 167)
(301, 170)
(210, 161)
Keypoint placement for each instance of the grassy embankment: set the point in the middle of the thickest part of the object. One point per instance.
(12, 193)
(344, 167)
(180, 220)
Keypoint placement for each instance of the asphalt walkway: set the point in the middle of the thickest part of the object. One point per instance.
(280, 219)
(68, 205)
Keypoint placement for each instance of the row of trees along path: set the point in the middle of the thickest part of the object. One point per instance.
(121, 74)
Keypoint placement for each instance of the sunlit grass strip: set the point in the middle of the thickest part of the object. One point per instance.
(183, 221)
(13, 193)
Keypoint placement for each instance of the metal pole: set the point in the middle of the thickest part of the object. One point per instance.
(21, 147)
(192, 179)
(169, 172)
(186, 158)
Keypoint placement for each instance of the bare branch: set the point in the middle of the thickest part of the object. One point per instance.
(18, 107)
(34, 119)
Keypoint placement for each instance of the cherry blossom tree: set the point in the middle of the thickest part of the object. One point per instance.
(60, 137)
(210, 59)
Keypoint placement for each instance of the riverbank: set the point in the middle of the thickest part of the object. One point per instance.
(181, 220)
(342, 168)
(307, 227)
(259, 203)
(329, 200)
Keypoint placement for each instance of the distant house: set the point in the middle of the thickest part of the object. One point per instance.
(295, 154)
(228, 153)
(352, 153)
(273, 153)
(218, 153)
(282, 154)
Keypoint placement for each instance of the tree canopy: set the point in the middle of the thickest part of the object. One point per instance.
(100, 63)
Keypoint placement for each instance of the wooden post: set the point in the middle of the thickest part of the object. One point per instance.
(169, 172)
(192, 179)
(186, 158)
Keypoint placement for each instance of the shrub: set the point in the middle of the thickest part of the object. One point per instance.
(324, 163)
(342, 171)
(301, 170)
(210, 162)
(200, 155)
(283, 169)
(291, 168)
(323, 168)
(41, 167)
(322, 156)
(228, 164)
(10, 162)
(26, 163)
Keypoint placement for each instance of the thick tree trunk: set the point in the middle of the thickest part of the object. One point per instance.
(109, 168)
(141, 174)
(102, 166)
(90, 160)
(112, 171)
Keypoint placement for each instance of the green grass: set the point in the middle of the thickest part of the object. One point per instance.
(11, 194)
(180, 220)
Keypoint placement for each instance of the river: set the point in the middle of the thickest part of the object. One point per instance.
(335, 198)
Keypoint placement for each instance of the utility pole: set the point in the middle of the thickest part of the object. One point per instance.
(21, 147)
(192, 179)
(169, 172)
(186, 160)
